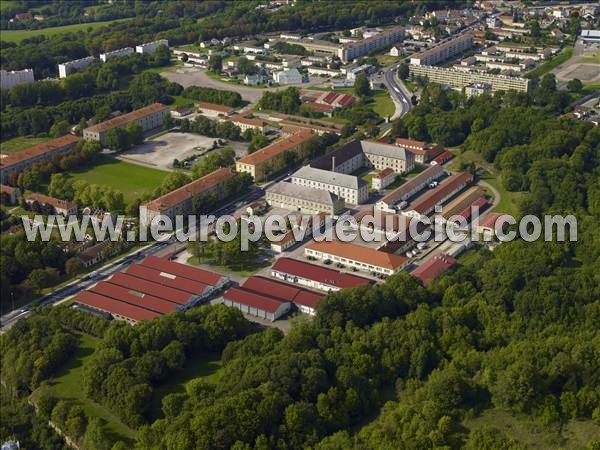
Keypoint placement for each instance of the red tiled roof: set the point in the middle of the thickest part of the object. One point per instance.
(384, 173)
(308, 298)
(214, 107)
(169, 280)
(413, 183)
(38, 150)
(479, 203)
(427, 201)
(149, 287)
(443, 157)
(55, 202)
(115, 306)
(320, 107)
(182, 270)
(247, 121)
(276, 148)
(433, 267)
(358, 253)
(345, 100)
(317, 273)
(491, 219)
(134, 298)
(196, 187)
(329, 97)
(277, 290)
(126, 118)
(7, 189)
(252, 299)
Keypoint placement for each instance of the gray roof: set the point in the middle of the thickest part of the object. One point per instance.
(303, 193)
(342, 154)
(413, 183)
(387, 150)
(327, 177)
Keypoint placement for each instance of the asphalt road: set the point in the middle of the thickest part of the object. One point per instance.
(399, 93)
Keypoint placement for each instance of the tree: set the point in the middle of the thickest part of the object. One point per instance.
(245, 66)
(403, 71)
(59, 128)
(73, 266)
(361, 86)
(548, 82)
(167, 122)
(257, 141)
(135, 133)
(95, 436)
(61, 186)
(215, 64)
(534, 28)
(117, 139)
(184, 57)
(574, 85)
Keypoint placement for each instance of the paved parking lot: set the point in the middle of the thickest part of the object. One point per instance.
(161, 152)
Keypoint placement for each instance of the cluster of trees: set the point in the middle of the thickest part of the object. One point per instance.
(145, 88)
(290, 49)
(214, 161)
(86, 194)
(132, 360)
(209, 127)
(448, 117)
(286, 101)
(119, 138)
(211, 95)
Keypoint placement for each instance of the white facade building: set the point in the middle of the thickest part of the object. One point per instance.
(66, 68)
(11, 78)
(352, 189)
(150, 47)
(291, 76)
(120, 52)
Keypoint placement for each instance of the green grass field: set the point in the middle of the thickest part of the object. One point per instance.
(5, 4)
(200, 366)
(131, 179)
(532, 435)
(383, 104)
(20, 143)
(18, 35)
(67, 385)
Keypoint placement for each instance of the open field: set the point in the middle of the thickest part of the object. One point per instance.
(131, 179)
(20, 143)
(532, 435)
(19, 35)
(383, 104)
(160, 151)
(67, 385)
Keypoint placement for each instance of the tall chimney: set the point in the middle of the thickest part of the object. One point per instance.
(333, 163)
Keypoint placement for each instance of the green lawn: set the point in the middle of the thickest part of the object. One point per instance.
(552, 63)
(20, 143)
(67, 385)
(5, 4)
(131, 179)
(508, 200)
(533, 435)
(19, 35)
(204, 366)
(383, 104)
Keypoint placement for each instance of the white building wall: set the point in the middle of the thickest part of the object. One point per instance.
(10, 79)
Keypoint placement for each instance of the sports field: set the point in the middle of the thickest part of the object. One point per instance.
(131, 179)
(19, 35)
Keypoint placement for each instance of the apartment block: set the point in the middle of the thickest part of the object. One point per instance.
(458, 79)
(271, 159)
(363, 47)
(352, 189)
(150, 47)
(66, 68)
(180, 201)
(443, 51)
(9, 79)
(148, 118)
(307, 200)
(116, 53)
